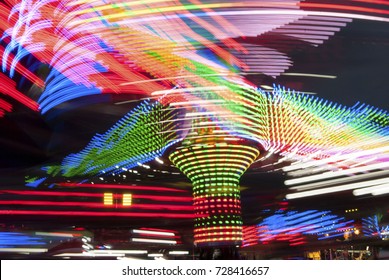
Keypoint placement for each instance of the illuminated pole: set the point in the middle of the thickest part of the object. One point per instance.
(215, 169)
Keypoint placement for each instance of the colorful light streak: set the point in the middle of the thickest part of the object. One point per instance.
(8, 87)
(186, 55)
(136, 138)
(294, 227)
(12, 239)
(370, 227)
(117, 52)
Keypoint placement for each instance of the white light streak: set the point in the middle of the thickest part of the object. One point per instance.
(23, 250)
(155, 255)
(337, 188)
(337, 173)
(179, 253)
(309, 75)
(109, 252)
(384, 190)
(338, 181)
(266, 87)
(161, 241)
(336, 158)
(375, 190)
(56, 234)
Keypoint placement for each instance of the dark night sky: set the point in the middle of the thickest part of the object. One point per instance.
(358, 55)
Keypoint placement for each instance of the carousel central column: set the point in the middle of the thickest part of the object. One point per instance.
(214, 165)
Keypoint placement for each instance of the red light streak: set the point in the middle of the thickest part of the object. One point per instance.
(4, 106)
(97, 214)
(163, 206)
(97, 205)
(127, 187)
(157, 229)
(84, 194)
(7, 87)
(298, 243)
(379, 2)
(163, 198)
(46, 193)
(343, 7)
(157, 235)
(53, 203)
